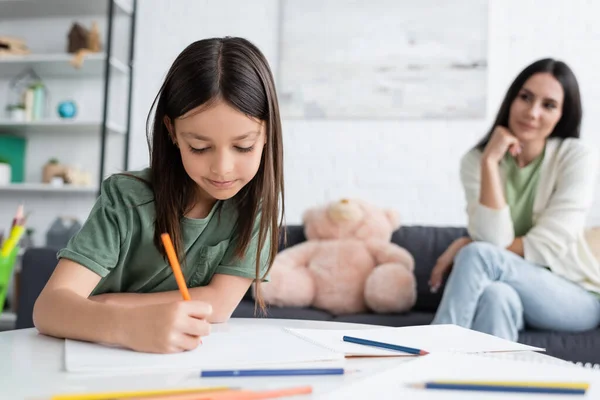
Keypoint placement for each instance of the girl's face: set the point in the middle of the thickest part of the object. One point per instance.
(537, 108)
(220, 147)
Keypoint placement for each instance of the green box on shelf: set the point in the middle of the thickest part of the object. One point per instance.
(12, 150)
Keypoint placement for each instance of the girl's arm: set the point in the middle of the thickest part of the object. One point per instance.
(224, 293)
(63, 310)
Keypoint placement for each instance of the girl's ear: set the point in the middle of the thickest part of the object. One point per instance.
(170, 128)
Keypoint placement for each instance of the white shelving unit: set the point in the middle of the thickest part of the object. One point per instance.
(45, 188)
(97, 139)
(7, 320)
(21, 9)
(58, 65)
(49, 127)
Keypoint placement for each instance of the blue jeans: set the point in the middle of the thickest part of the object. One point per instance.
(495, 291)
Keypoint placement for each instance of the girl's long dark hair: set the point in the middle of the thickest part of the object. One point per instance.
(235, 71)
(569, 124)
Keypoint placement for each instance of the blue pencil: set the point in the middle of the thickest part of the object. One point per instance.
(388, 346)
(271, 372)
(501, 388)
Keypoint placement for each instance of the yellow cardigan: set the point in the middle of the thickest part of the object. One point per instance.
(564, 196)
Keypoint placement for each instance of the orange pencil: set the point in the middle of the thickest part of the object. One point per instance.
(166, 239)
(257, 395)
(234, 394)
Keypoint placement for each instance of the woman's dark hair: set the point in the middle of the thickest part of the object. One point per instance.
(234, 71)
(570, 122)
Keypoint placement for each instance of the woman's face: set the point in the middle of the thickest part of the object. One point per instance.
(537, 108)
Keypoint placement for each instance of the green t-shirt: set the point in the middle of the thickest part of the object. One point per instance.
(116, 242)
(520, 189)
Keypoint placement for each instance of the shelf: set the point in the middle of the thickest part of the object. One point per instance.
(47, 188)
(21, 9)
(8, 316)
(58, 126)
(58, 65)
(8, 320)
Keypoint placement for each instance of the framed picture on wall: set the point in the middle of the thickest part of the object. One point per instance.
(383, 59)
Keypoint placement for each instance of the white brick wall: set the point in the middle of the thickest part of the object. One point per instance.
(411, 166)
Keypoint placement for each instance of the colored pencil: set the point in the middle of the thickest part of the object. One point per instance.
(234, 395)
(172, 256)
(271, 372)
(166, 239)
(12, 241)
(507, 387)
(576, 385)
(137, 393)
(17, 230)
(17, 220)
(389, 346)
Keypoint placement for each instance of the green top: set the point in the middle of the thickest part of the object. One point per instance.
(116, 242)
(520, 189)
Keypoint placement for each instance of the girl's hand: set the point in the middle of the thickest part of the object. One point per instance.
(502, 140)
(444, 263)
(165, 328)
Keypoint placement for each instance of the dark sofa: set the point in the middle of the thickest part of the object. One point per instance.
(426, 243)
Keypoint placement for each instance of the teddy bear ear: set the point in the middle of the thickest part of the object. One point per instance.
(393, 217)
(306, 215)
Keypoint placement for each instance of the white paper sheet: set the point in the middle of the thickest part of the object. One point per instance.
(431, 338)
(232, 349)
(395, 383)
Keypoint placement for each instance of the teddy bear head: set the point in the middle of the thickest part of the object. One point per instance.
(350, 218)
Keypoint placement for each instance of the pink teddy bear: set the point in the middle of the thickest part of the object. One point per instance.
(347, 265)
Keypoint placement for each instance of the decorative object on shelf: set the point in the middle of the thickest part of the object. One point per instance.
(75, 176)
(57, 181)
(12, 150)
(67, 109)
(83, 41)
(52, 169)
(5, 172)
(15, 112)
(28, 90)
(94, 44)
(61, 231)
(35, 102)
(27, 239)
(13, 46)
(78, 37)
(58, 174)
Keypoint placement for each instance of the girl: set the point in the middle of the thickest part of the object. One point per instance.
(529, 185)
(214, 184)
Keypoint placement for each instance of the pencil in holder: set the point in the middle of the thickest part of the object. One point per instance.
(7, 264)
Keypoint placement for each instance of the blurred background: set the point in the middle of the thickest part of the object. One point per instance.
(379, 99)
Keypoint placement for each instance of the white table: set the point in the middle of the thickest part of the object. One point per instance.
(32, 367)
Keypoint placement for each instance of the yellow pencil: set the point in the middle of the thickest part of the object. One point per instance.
(566, 385)
(130, 394)
(12, 241)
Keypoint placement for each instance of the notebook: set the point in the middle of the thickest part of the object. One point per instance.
(431, 338)
(394, 383)
(229, 349)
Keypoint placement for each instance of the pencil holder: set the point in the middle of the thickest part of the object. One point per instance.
(7, 265)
